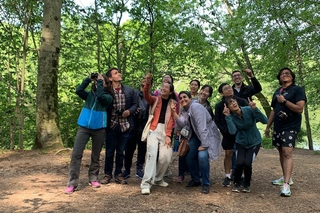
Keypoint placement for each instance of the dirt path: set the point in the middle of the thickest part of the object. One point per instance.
(35, 182)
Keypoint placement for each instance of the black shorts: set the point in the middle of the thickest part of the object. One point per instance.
(284, 138)
(228, 142)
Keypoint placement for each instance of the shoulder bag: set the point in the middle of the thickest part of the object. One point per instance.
(183, 146)
(146, 128)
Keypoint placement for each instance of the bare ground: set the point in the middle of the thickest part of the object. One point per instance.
(32, 181)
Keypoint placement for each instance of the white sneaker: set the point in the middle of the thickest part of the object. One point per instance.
(161, 183)
(280, 181)
(145, 191)
(285, 190)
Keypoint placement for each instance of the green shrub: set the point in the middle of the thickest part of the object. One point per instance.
(302, 136)
(266, 142)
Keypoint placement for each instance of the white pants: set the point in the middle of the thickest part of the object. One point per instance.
(156, 168)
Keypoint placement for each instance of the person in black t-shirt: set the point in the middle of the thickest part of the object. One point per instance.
(287, 102)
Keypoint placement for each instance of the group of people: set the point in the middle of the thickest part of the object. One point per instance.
(115, 115)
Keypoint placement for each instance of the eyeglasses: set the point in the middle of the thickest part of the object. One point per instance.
(227, 88)
(286, 73)
(229, 102)
(237, 75)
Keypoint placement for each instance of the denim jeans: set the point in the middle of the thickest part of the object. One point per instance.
(182, 165)
(116, 141)
(198, 160)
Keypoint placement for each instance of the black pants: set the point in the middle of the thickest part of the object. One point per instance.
(134, 140)
(245, 157)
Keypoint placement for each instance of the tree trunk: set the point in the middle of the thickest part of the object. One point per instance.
(263, 100)
(306, 110)
(47, 120)
(307, 120)
(19, 96)
(151, 41)
(98, 36)
(13, 117)
(23, 72)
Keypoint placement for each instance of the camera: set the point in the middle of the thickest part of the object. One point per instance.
(184, 132)
(119, 112)
(282, 115)
(94, 75)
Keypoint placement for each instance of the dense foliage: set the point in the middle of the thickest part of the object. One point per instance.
(190, 39)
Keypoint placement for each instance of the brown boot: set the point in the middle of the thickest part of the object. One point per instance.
(120, 179)
(106, 179)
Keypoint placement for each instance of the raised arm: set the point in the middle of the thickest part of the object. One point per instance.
(256, 86)
(146, 90)
(80, 90)
(103, 97)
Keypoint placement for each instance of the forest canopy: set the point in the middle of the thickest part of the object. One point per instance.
(189, 39)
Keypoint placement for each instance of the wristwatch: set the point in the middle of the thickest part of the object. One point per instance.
(284, 102)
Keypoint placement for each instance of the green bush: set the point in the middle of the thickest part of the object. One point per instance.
(302, 136)
(266, 142)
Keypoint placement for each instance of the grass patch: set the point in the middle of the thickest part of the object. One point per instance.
(317, 152)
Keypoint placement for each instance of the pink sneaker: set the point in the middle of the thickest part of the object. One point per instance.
(69, 190)
(179, 179)
(94, 184)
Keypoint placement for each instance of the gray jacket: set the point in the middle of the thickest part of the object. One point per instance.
(203, 126)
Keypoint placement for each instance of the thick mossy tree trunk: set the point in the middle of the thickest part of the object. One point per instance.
(47, 122)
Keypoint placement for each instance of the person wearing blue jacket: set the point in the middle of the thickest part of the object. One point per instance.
(242, 121)
(92, 123)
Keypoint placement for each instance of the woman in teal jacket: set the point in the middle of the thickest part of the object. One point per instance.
(92, 123)
(242, 121)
